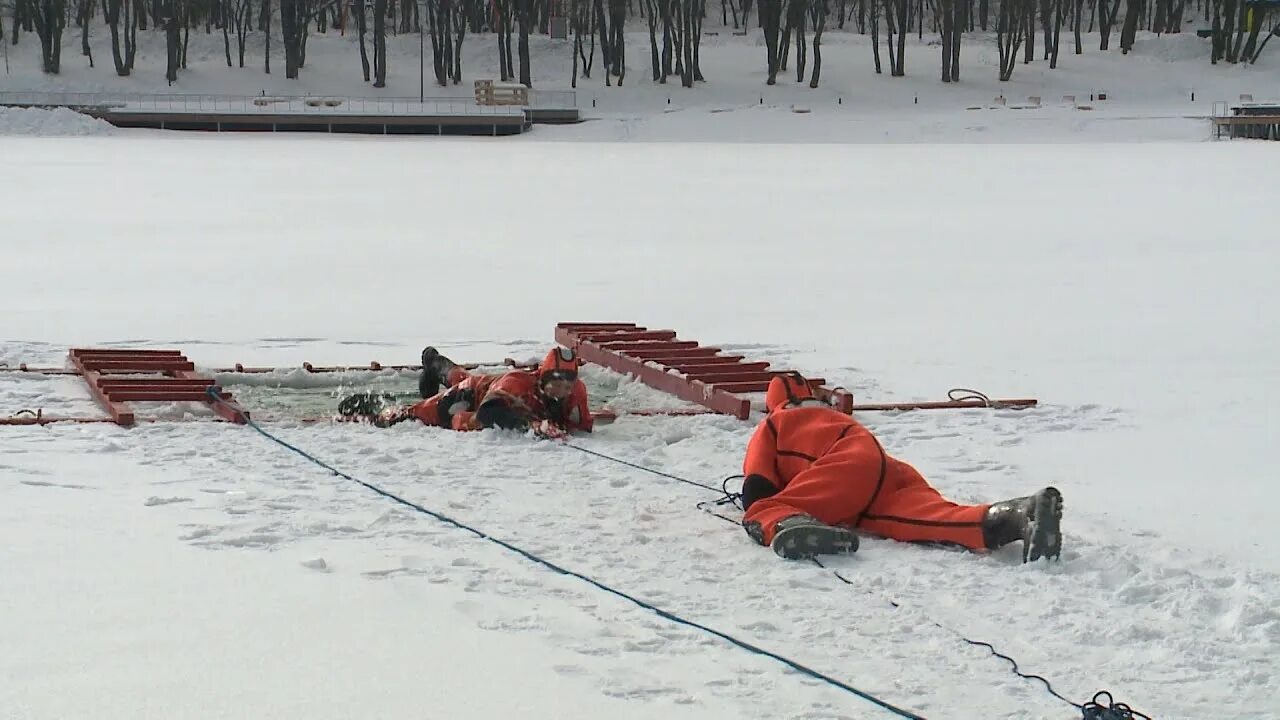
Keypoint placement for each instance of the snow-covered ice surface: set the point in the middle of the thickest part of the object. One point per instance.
(198, 570)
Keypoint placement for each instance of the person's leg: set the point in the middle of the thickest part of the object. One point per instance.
(438, 370)
(911, 510)
(805, 518)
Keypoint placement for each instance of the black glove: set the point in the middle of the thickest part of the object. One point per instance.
(756, 487)
(497, 413)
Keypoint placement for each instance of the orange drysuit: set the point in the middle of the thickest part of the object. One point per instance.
(817, 461)
(516, 394)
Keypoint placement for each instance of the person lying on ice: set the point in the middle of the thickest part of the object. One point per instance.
(551, 399)
(814, 475)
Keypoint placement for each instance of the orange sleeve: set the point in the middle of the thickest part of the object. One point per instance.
(762, 453)
(515, 387)
(579, 416)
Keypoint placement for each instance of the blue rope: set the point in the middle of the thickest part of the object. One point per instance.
(213, 394)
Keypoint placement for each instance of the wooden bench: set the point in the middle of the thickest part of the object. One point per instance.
(490, 93)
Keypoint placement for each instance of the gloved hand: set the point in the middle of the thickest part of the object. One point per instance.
(549, 430)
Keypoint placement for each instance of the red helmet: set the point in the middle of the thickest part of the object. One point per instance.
(559, 364)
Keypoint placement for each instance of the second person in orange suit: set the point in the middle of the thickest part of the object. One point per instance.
(551, 399)
(814, 475)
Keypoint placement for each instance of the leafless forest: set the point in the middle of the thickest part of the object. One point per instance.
(1025, 30)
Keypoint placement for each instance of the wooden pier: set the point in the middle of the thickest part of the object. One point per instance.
(391, 116)
(1255, 121)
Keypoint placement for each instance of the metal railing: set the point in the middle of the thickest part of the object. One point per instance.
(291, 104)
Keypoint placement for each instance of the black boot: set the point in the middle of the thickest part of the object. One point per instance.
(1035, 520)
(435, 371)
(800, 537)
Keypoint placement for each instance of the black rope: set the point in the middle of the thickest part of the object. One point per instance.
(1091, 710)
(1016, 670)
(953, 395)
(704, 486)
(534, 557)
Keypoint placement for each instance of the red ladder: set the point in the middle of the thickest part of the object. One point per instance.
(169, 377)
(681, 367)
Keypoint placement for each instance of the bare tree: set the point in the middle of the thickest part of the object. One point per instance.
(616, 51)
(116, 9)
(875, 33)
(1106, 21)
(1055, 38)
(172, 40)
(49, 18)
(820, 24)
(524, 19)
(362, 28)
(379, 43)
(953, 15)
(770, 12)
(1011, 24)
(505, 10)
(651, 16)
(1129, 31)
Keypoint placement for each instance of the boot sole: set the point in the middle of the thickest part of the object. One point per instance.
(1045, 518)
(802, 543)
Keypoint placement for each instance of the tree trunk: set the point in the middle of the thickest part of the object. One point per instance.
(1057, 33)
(802, 58)
(264, 21)
(1076, 26)
(651, 16)
(1010, 24)
(460, 32)
(875, 33)
(113, 22)
(948, 15)
(686, 42)
(172, 40)
(524, 16)
(770, 12)
(819, 26)
(617, 41)
(361, 29)
(1130, 29)
(379, 43)
(86, 12)
(49, 18)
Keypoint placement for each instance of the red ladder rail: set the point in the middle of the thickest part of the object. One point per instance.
(169, 377)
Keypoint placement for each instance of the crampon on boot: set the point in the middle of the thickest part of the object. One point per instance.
(1044, 538)
(800, 537)
(1035, 520)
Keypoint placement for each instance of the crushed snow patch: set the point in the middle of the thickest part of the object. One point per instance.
(55, 122)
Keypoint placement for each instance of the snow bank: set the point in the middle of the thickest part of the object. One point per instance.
(51, 123)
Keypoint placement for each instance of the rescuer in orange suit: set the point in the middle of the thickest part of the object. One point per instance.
(813, 475)
(551, 399)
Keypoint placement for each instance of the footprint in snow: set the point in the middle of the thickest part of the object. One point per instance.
(40, 483)
(318, 565)
(154, 501)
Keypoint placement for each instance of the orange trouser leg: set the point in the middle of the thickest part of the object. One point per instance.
(835, 489)
(911, 510)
